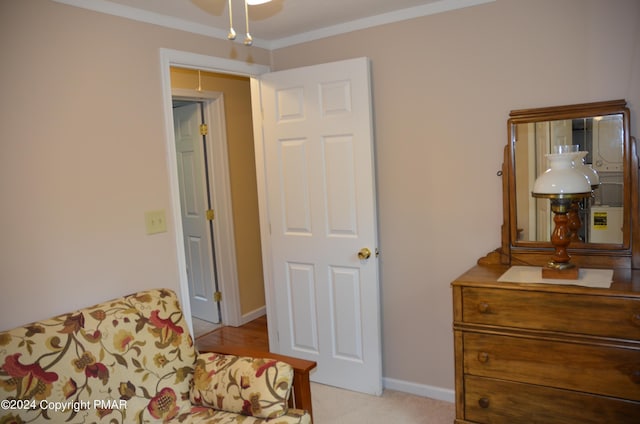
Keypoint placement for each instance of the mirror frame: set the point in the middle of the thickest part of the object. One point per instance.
(588, 255)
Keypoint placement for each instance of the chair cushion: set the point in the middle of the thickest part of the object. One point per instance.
(249, 386)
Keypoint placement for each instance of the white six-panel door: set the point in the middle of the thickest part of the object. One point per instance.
(194, 204)
(317, 153)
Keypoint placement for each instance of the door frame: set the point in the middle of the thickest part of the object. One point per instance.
(231, 313)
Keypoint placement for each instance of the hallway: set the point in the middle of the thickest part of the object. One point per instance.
(253, 335)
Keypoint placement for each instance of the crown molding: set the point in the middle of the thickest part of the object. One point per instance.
(373, 21)
(128, 12)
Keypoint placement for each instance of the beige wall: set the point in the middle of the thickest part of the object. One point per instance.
(84, 156)
(443, 87)
(83, 149)
(242, 170)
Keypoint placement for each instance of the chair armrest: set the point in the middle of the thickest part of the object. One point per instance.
(301, 398)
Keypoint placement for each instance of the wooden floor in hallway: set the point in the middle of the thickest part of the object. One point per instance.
(252, 335)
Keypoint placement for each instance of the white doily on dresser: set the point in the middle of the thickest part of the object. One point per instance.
(588, 277)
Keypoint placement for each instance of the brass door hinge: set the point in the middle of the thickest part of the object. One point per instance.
(204, 129)
(217, 296)
(210, 214)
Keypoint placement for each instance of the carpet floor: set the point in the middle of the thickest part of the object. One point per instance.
(337, 406)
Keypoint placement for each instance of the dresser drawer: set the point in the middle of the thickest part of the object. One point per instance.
(605, 370)
(615, 317)
(501, 402)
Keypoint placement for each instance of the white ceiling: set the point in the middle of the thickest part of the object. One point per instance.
(275, 24)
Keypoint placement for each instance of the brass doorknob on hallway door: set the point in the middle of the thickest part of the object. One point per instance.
(364, 253)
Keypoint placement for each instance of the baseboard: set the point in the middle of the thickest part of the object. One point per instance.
(250, 316)
(423, 390)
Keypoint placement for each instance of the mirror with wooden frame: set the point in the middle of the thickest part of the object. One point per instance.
(608, 233)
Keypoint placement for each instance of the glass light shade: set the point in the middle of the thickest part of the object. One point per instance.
(565, 148)
(588, 171)
(255, 2)
(561, 177)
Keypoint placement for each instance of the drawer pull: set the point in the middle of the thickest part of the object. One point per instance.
(635, 318)
(483, 307)
(483, 357)
(483, 402)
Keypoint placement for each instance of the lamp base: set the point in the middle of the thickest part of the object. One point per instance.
(561, 271)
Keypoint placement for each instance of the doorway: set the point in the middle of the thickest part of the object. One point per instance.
(234, 200)
(350, 293)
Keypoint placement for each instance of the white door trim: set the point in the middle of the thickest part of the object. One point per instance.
(189, 60)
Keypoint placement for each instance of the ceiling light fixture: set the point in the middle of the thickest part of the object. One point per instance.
(248, 40)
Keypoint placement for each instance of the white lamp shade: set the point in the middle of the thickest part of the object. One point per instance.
(255, 2)
(561, 177)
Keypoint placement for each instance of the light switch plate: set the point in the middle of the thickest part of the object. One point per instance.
(155, 222)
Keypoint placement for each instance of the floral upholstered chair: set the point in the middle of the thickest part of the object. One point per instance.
(132, 360)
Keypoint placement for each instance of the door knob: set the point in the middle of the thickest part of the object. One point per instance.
(364, 253)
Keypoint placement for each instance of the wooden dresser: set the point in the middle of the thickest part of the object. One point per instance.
(546, 353)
